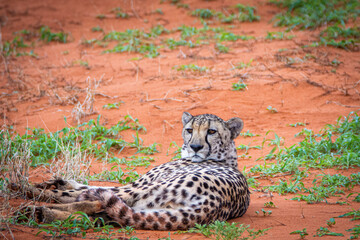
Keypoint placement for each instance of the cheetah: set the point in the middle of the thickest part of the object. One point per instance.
(201, 187)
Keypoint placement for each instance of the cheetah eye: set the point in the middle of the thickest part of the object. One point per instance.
(189, 130)
(211, 131)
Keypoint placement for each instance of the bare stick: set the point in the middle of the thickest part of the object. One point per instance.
(342, 105)
(162, 99)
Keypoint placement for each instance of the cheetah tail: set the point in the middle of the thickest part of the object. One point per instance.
(153, 219)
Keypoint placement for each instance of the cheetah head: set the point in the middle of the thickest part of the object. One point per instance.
(208, 137)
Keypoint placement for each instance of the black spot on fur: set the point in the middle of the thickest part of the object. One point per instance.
(112, 201)
(65, 194)
(206, 177)
(127, 221)
(199, 191)
(123, 211)
(168, 226)
(156, 226)
(190, 184)
(136, 217)
(194, 178)
(100, 190)
(149, 219)
(184, 193)
(185, 221)
(173, 219)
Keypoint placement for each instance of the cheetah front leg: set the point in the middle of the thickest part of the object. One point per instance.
(52, 212)
(56, 190)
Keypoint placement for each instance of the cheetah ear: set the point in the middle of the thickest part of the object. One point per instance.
(186, 117)
(235, 125)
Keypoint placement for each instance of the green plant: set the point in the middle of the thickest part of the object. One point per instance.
(241, 65)
(247, 147)
(340, 37)
(357, 198)
(183, 5)
(246, 13)
(264, 212)
(298, 124)
(48, 36)
(302, 233)
(355, 214)
(117, 175)
(203, 13)
(239, 86)
(226, 231)
(192, 68)
(113, 105)
(133, 161)
(284, 187)
(248, 134)
(100, 16)
(278, 36)
(11, 48)
(97, 29)
(229, 36)
(221, 48)
(331, 222)
(176, 152)
(269, 205)
(91, 136)
(73, 225)
(323, 231)
(336, 145)
(355, 232)
(82, 63)
(272, 109)
(312, 14)
(119, 13)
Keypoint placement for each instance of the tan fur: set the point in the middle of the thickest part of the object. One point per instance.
(204, 186)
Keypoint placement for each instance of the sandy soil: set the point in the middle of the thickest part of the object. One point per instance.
(40, 92)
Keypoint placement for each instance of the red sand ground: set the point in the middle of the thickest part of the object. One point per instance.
(308, 91)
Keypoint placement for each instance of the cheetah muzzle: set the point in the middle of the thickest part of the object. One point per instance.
(201, 187)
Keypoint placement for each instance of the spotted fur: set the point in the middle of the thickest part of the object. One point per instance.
(201, 187)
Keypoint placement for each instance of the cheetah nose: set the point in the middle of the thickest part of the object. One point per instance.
(196, 147)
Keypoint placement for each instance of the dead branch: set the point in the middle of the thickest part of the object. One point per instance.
(342, 105)
(165, 98)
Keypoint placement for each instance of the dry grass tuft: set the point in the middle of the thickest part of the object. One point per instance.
(86, 108)
(71, 164)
